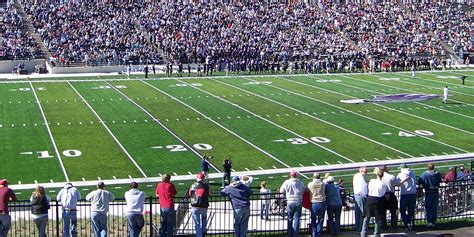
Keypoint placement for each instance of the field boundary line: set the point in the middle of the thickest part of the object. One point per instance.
(110, 132)
(446, 83)
(316, 118)
(55, 147)
(219, 125)
(361, 115)
(268, 121)
(307, 169)
(162, 125)
(392, 109)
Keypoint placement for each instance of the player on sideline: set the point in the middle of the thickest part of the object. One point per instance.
(463, 78)
(445, 95)
(129, 70)
(413, 68)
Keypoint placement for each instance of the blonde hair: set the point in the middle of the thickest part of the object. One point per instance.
(39, 191)
(263, 184)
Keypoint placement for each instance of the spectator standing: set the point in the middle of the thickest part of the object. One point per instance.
(360, 196)
(334, 205)
(239, 195)
(391, 202)
(293, 189)
(166, 191)
(406, 178)
(6, 195)
(227, 165)
(451, 175)
(265, 195)
(375, 203)
(39, 209)
(100, 200)
(135, 200)
(199, 193)
(318, 204)
(430, 181)
(68, 196)
(205, 165)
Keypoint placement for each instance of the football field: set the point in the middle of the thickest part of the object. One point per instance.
(88, 129)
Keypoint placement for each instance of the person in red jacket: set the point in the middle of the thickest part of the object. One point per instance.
(166, 191)
(6, 195)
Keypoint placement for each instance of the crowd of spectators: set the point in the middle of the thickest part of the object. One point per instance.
(16, 42)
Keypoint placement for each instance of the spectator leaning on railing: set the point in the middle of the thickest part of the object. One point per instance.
(6, 195)
(68, 197)
(135, 200)
(199, 198)
(100, 199)
(318, 204)
(375, 201)
(293, 188)
(430, 181)
(239, 195)
(39, 209)
(407, 180)
(166, 191)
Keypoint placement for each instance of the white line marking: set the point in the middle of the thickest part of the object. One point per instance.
(109, 131)
(130, 177)
(49, 132)
(314, 164)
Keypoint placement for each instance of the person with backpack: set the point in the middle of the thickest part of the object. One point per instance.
(68, 197)
(39, 209)
(199, 193)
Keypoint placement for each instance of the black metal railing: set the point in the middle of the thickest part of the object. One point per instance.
(456, 203)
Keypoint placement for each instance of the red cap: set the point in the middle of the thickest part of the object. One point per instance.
(3, 182)
(200, 176)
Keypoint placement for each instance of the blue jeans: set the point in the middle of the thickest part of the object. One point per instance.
(41, 225)
(99, 224)
(70, 220)
(334, 219)
(241, 221)
(5, 224)
(264, 210)
(359, 211)
(167, 219)
(135, 224)
(365, 226)
(431, 206)
(294, 214)
(225, 176)
(407, 208)
(200, 220)
(317, 217)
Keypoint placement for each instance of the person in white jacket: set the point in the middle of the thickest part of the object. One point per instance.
(134, 209)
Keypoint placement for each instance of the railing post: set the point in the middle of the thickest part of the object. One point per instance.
(57, 218)
(150, 199)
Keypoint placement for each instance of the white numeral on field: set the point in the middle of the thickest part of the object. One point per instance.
(297, 141)
(72, 153)
(44, 155)
(301, 141)
(417, 132)
(192, 84)
(198, 146)
(321, 139)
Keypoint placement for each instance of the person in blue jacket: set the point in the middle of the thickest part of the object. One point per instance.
(239, 195)
(430, 181)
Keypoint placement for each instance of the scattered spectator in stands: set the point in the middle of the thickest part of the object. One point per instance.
(39, 209)
(407, 181)
(375, 202)
(360, 196)
(265, 196)
(199, 193)
(293, 189)
(100, 199)
(68, 197)
(239, 195)
(227, 165)
(6, 195)
(334, 206)
(135, 200)
(451, 175)
(318, 204)
(462, 174)
(205, 165)
(166, 191)
(430, 181)
(391, 202)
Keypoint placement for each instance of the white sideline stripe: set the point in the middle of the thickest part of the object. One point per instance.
(361, 115)
(268, 121)
(393, 109)
(316, 118)
(49, 132)
(306, 169)
(109, 131)
(441, 82)
(221, 126)
(161, 124)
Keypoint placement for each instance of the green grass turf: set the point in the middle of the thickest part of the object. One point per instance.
(227, 117)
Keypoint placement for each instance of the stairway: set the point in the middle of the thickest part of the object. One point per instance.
(148, 39)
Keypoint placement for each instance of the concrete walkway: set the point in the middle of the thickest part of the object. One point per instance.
(439, 232)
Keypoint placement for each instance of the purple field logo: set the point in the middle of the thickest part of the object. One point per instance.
(395, 98)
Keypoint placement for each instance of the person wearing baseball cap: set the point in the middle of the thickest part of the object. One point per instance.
(239, 195)
(293, 189)
(100, 199)
(6, 195)
(68, 196)
(199, 193)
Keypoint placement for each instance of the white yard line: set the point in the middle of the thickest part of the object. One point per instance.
(110, 132)
(49, 132)
(358, 114)
(219, 125)
(316, 118)
(268, 121)
(399, 111)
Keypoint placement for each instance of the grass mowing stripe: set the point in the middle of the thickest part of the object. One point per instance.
(109, 131)
(391, 107)
(268, 121)
(221, 126)
(55, 147)
(359, 114)
(162, 125)
(316, 118)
